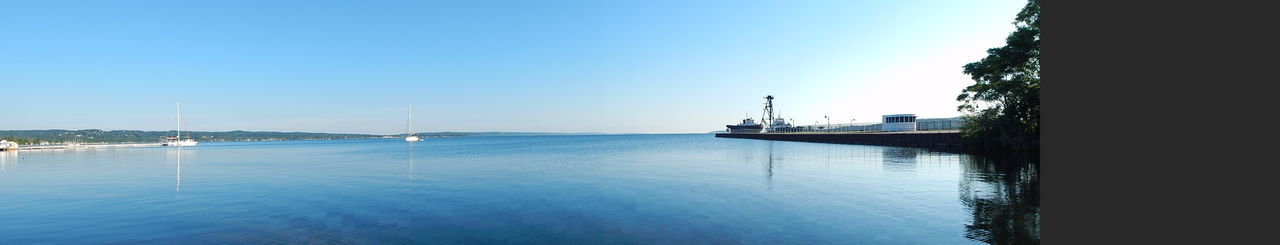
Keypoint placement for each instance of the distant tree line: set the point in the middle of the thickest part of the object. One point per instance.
(136, 136)
(20, 141)
(57, 136)
(1003, 105)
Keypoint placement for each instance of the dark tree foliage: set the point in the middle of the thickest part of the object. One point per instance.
(1003, 105)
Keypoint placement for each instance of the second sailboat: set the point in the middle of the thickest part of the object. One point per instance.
(410, 136)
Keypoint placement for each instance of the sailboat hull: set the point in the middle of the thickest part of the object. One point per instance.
(181, 143)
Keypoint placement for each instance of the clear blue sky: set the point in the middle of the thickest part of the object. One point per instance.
(549, 66)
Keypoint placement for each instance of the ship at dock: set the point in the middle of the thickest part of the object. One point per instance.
(769, 123)
(747, 126)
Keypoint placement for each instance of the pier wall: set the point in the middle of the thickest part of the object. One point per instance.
(80, 146)
(915, 139)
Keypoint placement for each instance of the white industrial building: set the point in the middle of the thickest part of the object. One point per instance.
(898, 122)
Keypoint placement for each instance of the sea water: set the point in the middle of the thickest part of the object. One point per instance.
(579, 189)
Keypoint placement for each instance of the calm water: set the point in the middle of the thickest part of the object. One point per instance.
(540, 189)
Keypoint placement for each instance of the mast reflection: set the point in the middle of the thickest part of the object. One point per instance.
(176, 154)
(411, 160)
(178, 186)
(768, 177)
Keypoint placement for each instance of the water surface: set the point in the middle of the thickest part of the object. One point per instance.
(532, 189)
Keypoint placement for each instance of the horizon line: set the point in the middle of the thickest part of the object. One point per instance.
(373, 134)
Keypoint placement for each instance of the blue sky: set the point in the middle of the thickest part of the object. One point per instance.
(547, 66)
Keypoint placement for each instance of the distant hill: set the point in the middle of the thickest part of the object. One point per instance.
(56, 136)
(137, 136)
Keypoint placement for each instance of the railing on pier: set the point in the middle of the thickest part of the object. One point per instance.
(923, 124)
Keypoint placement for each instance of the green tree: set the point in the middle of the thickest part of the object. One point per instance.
(20, 141)
(1003, 105)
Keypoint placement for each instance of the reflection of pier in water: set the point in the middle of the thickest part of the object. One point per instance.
(765, 156)
(899, 159)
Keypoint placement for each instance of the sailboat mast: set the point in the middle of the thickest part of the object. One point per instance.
(179, 120)
(408, 124)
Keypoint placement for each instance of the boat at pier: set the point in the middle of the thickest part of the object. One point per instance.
(770, 124)
(747, 126)
(781, 125)
(174, 141)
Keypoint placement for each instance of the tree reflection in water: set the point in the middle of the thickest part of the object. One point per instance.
(1003, 194)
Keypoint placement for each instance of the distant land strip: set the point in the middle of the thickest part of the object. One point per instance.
(59, 136)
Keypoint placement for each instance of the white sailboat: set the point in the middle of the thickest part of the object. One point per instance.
(408, 128)
(178, 140)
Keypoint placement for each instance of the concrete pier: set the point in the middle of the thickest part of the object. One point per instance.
(925, 139)
(80, 146)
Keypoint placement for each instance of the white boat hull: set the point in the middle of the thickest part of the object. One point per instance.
(177, 140)
(412, 139)
(181, 143)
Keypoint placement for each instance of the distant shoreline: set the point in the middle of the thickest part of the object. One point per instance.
(98, 136)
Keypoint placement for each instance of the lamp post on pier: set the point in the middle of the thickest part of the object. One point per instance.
(828, 120)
